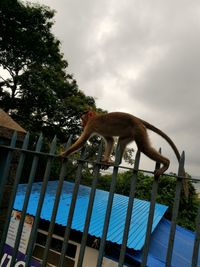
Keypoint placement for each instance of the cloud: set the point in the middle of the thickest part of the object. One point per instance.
(140, 57)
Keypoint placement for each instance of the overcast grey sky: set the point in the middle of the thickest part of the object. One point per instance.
(140, 57)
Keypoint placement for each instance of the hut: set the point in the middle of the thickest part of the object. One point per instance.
(7, 127)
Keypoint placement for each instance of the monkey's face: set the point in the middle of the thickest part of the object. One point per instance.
(86, 117)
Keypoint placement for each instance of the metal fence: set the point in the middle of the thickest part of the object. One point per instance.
(5, 165)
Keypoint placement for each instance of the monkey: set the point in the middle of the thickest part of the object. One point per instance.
(127, 128)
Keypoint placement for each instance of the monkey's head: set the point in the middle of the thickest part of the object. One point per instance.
(86, 116)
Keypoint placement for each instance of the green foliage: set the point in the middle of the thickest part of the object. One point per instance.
(36, 90)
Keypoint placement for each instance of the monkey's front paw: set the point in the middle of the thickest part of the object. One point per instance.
(105, 164)
(61, 156)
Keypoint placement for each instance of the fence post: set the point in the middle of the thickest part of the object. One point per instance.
(72, 208)
(109, 206)
(55, 207)
(129, 209)
(175, 209)
(150, 218)
(33, 235)
(90, 206)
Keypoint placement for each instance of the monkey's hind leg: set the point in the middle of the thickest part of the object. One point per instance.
(150, 152)
(153, 154)
(123, 142)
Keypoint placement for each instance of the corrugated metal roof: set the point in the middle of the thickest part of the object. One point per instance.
(182, 248)
(118, 215)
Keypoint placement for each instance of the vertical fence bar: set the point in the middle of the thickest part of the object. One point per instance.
(196, 241)
(129, 209)
(90, 207)
(26, 200)
(14, 191)
(55, 208)
(72, 208)
(175, 210)
(109, 206)
(150, 218)
(7, 165)
(33, 235)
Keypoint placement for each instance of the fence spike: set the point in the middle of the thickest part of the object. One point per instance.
(53, 145)
(118, 155)
(137, 160)
(181, 170)
(157, 165)
(39, 142)
(100, 152)
(14, 139)
(26, 141)
(69, 141)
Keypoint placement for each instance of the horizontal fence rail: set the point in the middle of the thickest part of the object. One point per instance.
(24, 152)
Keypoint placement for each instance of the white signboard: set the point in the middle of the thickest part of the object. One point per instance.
(12, 231)
(6, 259)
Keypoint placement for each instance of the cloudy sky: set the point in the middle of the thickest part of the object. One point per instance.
(140, 57)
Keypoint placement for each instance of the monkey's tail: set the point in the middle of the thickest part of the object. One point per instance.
(166, 137)
(158, 131)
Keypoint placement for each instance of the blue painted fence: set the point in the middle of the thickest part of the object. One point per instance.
(127, 224)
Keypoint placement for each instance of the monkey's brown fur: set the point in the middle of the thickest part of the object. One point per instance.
(127, 128)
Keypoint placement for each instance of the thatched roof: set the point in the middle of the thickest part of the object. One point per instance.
(7, 122)
(8, 125)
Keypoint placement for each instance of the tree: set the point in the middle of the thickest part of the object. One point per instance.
(36, 90)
